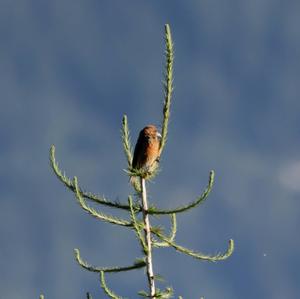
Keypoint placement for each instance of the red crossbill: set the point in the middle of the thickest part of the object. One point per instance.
(146, 152)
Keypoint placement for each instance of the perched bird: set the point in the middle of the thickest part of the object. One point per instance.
(146, 152)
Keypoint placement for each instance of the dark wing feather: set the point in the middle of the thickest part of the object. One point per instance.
(139, 151)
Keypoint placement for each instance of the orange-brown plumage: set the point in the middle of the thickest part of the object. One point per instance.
(146, 152)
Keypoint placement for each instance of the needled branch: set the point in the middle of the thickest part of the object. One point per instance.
(157, 211)
(138, 227)
(96, 214)
(199, 200)
(87, 195)
(107, 291)
(168, 89)
(199, 255)
(139, 263)
(168, 85)
(172, 234)
(126, 141)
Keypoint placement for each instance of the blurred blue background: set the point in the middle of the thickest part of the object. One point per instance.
(71, 69)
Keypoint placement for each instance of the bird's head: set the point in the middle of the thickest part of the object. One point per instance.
(151, 133)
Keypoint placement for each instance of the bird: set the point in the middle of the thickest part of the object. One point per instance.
(147, 149)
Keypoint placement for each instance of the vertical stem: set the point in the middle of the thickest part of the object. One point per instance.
(147, 230)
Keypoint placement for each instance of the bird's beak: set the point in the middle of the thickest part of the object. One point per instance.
(158, 135)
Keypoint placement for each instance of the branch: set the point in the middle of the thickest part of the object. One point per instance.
(156, 211)
(69, 184)
(107, 291)
(126, 141)
(96, 214)
(172, 234)
(138, 227)
(199, 255)
(168, 85)
(168, 89)
(199, 200)
(139, 263)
